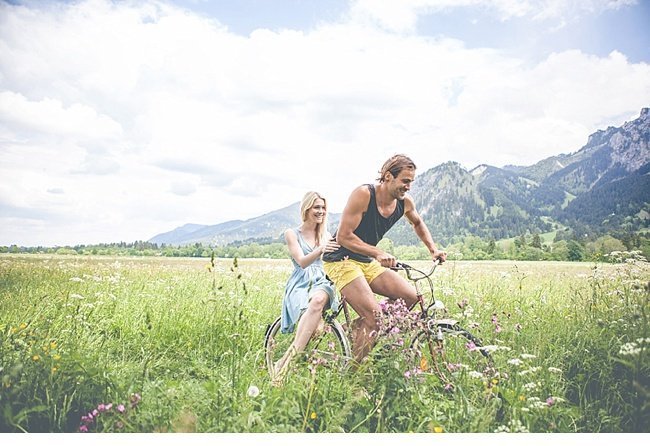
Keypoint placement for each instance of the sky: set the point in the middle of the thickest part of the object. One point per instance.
(120, 120)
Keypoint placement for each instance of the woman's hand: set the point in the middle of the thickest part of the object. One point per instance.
(330, 246)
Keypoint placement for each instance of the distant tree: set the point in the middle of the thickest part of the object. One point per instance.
(520, 242)
(536, 242)
(576, 252)
(491, 246)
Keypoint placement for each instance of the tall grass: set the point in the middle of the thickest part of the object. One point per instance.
(175, 345)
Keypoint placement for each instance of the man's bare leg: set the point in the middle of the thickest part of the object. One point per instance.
(362, 299)
(394, 286)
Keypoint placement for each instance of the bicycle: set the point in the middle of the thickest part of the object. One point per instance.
(442, 347)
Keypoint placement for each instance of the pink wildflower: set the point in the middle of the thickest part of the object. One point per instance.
(550, 401)
(120, 408)
(471, 346)
(407, 374)
(83, 428)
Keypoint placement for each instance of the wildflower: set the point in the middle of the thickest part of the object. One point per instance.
(76, 279)
(449, 387)
(253, 391)
(56, 357)
(438, 305)
(453, 367)
(135, 399)
(489, 348)
(531, 386)
(54, 369)
(527, 356)
(121, 408)
(313, 415)
(101, 407)
(554, 370)
(407, 374)
(530, 370)
(550, 401)
(83, 428)
(515, 361)
(471, 346)
(475, 374)
(119, 425)
(522, 398)
(438, 429)
(23, 326)
(36, 358)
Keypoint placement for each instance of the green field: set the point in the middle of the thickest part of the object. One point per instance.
(175, 345)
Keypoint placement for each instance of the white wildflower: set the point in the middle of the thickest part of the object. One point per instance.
(489, 348)
(527, 356)
(475, 374)
(76, 279)
(515, 361)
(554, 370)
(531, 386)
(253, 391)
(629, 349)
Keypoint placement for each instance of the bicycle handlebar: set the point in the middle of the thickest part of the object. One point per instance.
(409, 269)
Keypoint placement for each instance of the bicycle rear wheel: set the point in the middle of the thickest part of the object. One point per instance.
(329, 347)
(448, 351)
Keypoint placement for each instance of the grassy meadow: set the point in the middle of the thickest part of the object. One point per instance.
(124, 344)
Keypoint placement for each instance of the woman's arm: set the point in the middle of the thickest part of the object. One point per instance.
(296, 251)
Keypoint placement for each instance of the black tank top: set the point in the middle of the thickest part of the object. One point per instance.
(371, 229)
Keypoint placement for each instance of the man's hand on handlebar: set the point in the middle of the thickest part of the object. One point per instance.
(441, 256)
(386, 260)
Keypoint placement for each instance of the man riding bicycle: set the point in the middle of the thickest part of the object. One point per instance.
(358, 268)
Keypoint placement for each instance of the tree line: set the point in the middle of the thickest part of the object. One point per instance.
(565, 245)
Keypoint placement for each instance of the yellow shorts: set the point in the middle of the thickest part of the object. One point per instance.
(345, 271)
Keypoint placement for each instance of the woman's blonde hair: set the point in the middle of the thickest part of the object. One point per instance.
(307, 203)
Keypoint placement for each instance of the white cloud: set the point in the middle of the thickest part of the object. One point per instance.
(402, 16)
(48, 117)
(122, 120)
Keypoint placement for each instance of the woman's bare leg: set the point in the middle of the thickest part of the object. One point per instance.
(307, 325)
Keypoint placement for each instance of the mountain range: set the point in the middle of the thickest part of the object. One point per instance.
(604, 186)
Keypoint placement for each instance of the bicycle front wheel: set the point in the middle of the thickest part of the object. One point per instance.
(328, 347)
(448, 351)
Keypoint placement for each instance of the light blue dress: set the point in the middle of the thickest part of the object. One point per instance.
(300, 287)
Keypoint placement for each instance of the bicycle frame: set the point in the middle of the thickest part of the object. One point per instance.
(414, 275)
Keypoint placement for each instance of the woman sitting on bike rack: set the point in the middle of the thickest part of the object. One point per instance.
(308, 292)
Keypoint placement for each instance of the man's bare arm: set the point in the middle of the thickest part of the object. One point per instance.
(352, 214)
(421, 229)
